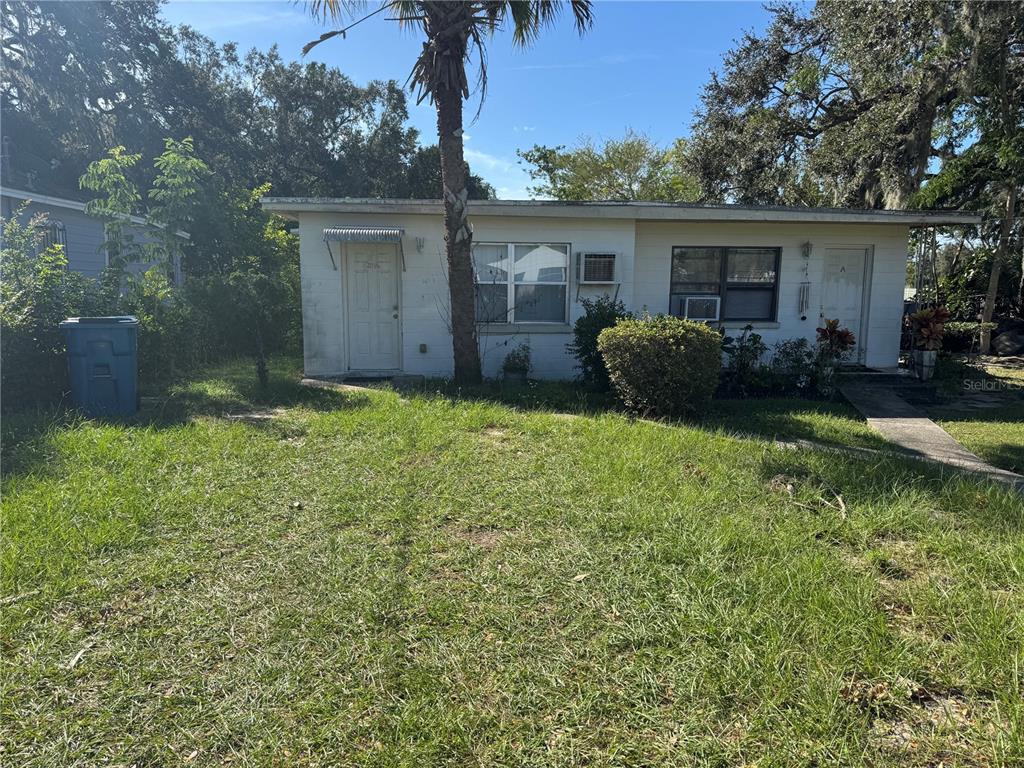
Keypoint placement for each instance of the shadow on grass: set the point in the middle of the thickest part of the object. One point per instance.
(1008, 456)
(542, 396)
(822, 421)
(229, 391)
(879, 481)
(228, 394)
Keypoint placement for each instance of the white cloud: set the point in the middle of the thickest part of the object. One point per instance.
(509, 179)
(489, 162)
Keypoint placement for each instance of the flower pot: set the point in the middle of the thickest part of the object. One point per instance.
(924, 363)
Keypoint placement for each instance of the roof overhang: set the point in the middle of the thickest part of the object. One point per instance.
(639, 211)
(72, 205)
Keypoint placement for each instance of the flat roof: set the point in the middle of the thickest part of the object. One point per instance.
(647, 211)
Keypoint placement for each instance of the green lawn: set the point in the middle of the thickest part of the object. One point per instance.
(364, 578)
(995, 434)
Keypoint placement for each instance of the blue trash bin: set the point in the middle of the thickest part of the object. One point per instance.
(103, 364)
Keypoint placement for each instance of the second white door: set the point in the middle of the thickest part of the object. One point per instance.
(373, 306)
(843, 291)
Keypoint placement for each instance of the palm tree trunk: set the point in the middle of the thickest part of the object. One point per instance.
(997, 267)
(458, 237)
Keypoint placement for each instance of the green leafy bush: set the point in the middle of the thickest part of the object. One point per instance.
(598, 314)
(744, 373)
(964, 335)
(38, 292)
(794, 367)
(518, 360)
(662, 366)
(174, 336)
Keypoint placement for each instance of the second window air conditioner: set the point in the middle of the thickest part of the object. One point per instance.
(595, 268)
(704, 308)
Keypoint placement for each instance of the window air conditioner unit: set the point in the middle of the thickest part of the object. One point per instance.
(701, 308)
(595, 268)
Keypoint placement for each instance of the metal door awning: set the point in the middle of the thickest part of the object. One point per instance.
(363, 234)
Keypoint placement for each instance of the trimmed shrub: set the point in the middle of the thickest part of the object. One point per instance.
(600, 313)
(662, 366)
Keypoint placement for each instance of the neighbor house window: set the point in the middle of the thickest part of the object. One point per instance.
(744, 280)
(521, 282)
(54, 233)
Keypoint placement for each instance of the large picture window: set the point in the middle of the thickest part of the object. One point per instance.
(745, 280)
(521, 282)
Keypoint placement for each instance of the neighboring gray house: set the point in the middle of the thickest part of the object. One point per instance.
(81, 235)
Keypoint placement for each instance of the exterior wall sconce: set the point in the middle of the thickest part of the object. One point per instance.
(420, 242)
(806, 249)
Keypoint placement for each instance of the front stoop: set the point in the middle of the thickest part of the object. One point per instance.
(901, 423)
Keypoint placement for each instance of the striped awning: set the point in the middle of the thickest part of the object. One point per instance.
(363, 234)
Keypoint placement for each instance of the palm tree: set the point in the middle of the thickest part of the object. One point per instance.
(454, 31)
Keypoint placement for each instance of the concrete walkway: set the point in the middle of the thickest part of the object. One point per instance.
(901, 423)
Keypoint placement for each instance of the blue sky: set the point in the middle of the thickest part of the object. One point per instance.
(641, 66)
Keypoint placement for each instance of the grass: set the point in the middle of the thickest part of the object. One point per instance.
(834, 423)
(366, 579)
(995, 434)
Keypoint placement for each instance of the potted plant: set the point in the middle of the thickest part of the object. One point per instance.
(517, 364)
(834, 345)
(927, 326)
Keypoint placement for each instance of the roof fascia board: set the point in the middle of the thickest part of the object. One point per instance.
(73, 205)
(291, 206)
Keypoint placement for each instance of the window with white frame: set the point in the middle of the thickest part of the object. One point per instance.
(521, 282)
(744, 280)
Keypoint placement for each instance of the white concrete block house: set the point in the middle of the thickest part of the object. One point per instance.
(375, 294)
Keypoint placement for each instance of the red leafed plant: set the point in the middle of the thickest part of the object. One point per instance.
(835, 341)
(929, 325)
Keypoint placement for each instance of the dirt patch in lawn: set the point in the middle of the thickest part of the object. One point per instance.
(934, 728)
(257, 417)
(483, 537)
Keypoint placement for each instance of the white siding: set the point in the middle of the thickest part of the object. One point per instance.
(425, 303)
(887, 243)
(645, 250)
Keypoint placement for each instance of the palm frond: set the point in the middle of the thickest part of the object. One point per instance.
(531, 17)
(325, 36)
(335, 10)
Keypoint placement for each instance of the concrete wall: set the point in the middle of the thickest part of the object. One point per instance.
(644, 267)
(424, 309)
(887, 246)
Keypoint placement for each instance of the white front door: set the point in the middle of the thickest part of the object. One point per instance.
(373, 333)
(842, 295)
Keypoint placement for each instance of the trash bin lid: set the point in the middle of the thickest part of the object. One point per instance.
(115, 320)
